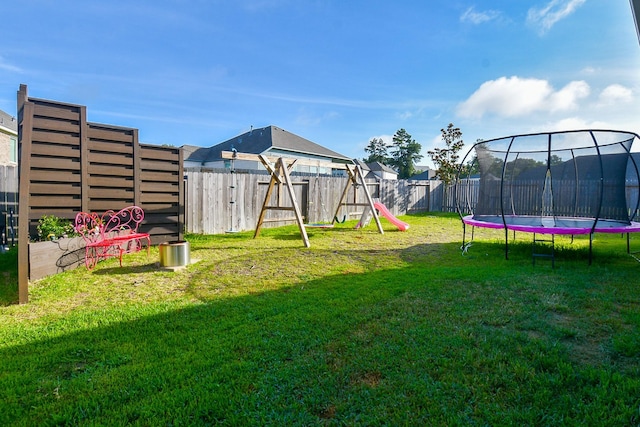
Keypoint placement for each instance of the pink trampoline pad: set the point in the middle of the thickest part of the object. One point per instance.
(550, 225)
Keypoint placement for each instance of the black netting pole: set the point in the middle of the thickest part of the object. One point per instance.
(597, 216)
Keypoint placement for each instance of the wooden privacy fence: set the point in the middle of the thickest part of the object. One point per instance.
(218, 201)
(68, 165)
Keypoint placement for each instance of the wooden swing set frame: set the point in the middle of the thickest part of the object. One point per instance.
(280, 168)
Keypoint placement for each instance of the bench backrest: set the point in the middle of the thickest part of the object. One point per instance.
(93, 227)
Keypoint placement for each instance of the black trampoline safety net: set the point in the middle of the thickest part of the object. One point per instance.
(557, 177)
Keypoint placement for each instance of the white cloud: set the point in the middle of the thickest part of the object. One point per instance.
(572, 123)
(406, 115)
(8, 67)
(566, 98)
(545, 17)
(471, 16)
(307, 118)
(615, 94)
(515, 97)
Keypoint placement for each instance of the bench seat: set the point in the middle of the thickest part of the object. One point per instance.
(111, 234)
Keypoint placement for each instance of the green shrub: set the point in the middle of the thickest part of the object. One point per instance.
(50, 227)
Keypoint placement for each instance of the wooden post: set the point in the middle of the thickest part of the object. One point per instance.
(357, 173)
(84, 160)
(181, 191)
(356, 177)
(24, 177)
(296, 208)
(280, 176)
(265, 204)
(137, 169)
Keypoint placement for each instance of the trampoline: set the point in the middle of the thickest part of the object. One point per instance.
(555, 183)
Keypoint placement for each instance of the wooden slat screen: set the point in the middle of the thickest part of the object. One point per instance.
(161, 191)
(68, 165)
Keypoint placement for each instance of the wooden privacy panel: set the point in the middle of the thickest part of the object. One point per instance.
(109, 166)
(68, 165)
(160, 188)
(53, 164)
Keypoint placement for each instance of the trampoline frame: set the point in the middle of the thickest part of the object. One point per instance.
(548, 224)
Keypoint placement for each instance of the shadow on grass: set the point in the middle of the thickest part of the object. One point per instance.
(565, 248)
(267, 358)
(126, 269)
(419, 344)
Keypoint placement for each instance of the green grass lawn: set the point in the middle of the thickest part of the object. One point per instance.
(360, 329)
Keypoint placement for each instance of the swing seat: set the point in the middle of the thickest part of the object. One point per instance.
(326, 224)
(319, 225)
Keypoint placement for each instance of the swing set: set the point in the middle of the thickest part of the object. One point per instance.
(280, 168)
(325, 223)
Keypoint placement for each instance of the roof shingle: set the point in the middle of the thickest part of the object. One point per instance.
(262, 141)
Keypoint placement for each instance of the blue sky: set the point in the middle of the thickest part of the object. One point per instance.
(336, 72)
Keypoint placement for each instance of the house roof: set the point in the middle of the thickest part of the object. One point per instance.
(381, 167)
(8, 121)
(426, 175)
(362, 164)
(269, 140)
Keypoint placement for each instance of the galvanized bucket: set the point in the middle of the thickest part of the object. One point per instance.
(175, 254)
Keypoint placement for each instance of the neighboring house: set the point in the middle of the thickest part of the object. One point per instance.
(376, 170)
(425, 175)
(269, 141)
(8, 139)
(382, 171)
(366, 172)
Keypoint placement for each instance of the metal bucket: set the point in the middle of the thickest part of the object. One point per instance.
(174, 254)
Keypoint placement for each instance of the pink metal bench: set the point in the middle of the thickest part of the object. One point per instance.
(111, 234)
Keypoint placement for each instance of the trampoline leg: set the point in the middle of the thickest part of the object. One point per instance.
(464, 233)
(590, 246)
(628, 244)
(506, 243)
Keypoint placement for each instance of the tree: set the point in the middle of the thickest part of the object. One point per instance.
(446, 159)
(406, 152)
(377, 150)
(472, 167)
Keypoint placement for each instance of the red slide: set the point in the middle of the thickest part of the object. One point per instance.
(402, 226)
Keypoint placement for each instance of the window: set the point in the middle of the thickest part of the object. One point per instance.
(13, 149)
